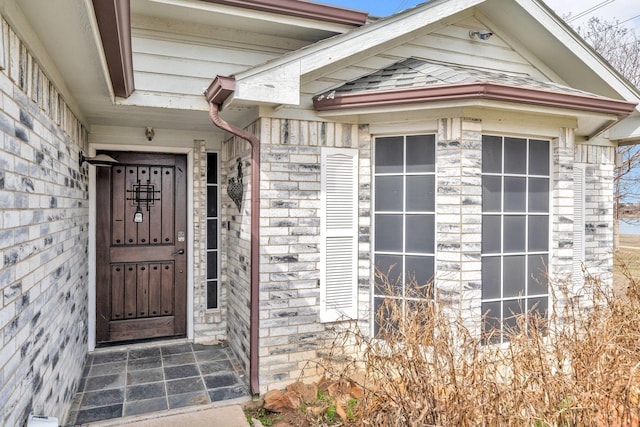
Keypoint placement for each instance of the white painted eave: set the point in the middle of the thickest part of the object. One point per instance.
(213, 14)
(532, 25)
(549, 38)
(626, 132)
(278, 81)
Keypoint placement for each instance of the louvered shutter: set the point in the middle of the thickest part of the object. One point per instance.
(578, 223)
(339, 234)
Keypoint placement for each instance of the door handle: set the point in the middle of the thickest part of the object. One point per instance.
(178, 252)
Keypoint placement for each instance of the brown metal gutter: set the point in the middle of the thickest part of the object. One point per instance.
(302, 9)
(464, 91)
(216, 94)
(114, 24)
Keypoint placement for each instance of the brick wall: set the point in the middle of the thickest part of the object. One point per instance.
(290, 332)
(43, 241)
(235, 256)
(459, 218)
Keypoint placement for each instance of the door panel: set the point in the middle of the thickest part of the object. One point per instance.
(141, 247)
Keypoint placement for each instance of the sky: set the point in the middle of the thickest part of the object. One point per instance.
(610, 10)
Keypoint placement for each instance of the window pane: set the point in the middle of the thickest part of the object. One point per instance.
(538, 195)
(491, 275)
(420, 193)
(515, 194)
(538, 280)
(389, 154)
(419, 274)
(212, 168)
(512, 310)
(212, 201)
(386, 313)
(388, 275)
(491, 322)
(514, 276)
(539, 306)
(212, 265)
(491, 154)
(491, 193)
(389, 193)
(388, 231)
(538, 157)
(421, 154)
(515, 231)
(419, 235)
(212, 234)
(491, 234)
(212, 294)
(539, 233)
(515, 155)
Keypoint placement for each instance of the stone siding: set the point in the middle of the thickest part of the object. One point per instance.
(43, 241)
(235, 261)
(459, 218)
(291, 334)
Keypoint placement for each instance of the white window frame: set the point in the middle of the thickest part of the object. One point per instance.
(527, 215)
(404, 213)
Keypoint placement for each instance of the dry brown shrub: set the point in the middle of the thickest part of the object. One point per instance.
(578, 367)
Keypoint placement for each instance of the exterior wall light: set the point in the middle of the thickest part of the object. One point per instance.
(481, 35)
(149, 133)
(98, 160)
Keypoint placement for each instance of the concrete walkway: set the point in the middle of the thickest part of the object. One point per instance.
(199, 416)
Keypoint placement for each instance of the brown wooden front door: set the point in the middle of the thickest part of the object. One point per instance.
(141, 244)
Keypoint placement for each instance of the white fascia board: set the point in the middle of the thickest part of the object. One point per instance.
(279, 85)
(276, 18)
(572, 41)
(275, 81)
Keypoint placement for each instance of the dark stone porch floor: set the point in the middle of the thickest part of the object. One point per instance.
(144, 379)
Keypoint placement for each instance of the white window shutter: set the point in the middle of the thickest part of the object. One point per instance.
(339, 234)
(578, 223)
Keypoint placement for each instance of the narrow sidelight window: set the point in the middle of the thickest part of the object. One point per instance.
(213, 220)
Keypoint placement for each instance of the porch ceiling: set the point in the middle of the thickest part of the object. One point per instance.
(68, 38)
(69, 44)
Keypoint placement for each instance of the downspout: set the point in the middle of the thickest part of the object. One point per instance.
(216, 94)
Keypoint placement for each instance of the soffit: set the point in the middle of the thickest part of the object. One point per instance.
(223, 15)
(536, 27)
(66, 33)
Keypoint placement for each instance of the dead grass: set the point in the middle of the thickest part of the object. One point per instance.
(577, 368)
(626, 262)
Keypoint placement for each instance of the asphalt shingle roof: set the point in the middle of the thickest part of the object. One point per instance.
(417, 73)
